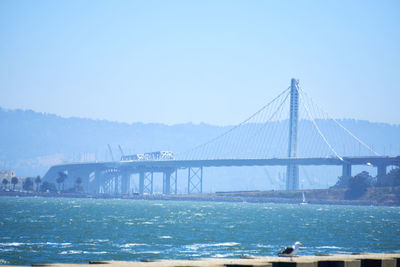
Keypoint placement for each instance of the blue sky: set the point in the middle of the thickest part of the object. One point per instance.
(198, 61)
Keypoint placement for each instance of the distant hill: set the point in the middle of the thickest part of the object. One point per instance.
(30, 142)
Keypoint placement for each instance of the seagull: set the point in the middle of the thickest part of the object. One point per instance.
(290, 250)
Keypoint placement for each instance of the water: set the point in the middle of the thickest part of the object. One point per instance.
(43, 230)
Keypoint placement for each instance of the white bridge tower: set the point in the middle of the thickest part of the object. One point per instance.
(292, 171)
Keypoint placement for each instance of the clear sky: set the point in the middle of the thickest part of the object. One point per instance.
(198, 61)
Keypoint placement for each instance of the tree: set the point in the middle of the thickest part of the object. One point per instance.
(61, 179)
(48, 187)
(390, 179)
(5, 183)
(14, 181)
(343, 182)
(28, 184)
(394, 175)
(358, 185)
(38, 180)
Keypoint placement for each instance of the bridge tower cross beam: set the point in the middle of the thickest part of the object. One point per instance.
(292, 170)
(145, 182)
(195, 180)
(148, 183)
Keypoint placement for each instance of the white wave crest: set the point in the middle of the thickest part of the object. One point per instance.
(329, 247)
(198, 246)
(129, 245)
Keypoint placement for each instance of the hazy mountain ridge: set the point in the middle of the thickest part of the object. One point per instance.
(30, 141)
(29, 135)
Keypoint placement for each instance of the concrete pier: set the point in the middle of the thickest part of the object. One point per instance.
(355, 260)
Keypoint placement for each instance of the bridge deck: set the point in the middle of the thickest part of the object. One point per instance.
(375, 161)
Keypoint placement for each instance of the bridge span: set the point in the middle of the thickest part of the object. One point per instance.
(114, 177)
(313, 139)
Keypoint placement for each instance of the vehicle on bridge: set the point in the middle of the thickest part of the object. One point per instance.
(150, 156)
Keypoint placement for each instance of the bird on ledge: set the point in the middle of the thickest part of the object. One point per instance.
(290, 250)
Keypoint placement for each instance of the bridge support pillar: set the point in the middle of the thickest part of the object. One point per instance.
(141, 182)
(145, 182)
(125, 182)
(174, 185)
(346, 170)
(110, 181)
(148, 183)
(195, 180)
(117, 185)
(292, 177)
(381, 172)
(97, 182)
(166, 182)
(170, 185)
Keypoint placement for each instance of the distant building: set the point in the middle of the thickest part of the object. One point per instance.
(7, 174)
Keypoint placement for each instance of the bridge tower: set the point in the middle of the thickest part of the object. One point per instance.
(292, 171)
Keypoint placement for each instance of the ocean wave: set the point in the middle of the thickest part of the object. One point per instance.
(165, 237)
(68, 252)
(329, 247)
(71, 252)
(7, 249)
(47, 216)
(225, 244)
(223, 255)
(95, 252)
(264, 246)
(205, 245)
(102, 240)
(14, 244)
(65, 244)
(149, 252)
(21, 244)
(129, 245)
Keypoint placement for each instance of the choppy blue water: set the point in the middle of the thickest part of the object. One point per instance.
(43, 230)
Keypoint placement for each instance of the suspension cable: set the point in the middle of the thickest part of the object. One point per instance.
(341, 126)
(316, 126)
(237, 126)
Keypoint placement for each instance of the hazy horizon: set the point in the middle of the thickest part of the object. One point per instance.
(175, 124)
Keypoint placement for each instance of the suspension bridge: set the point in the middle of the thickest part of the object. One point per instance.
(291, 131)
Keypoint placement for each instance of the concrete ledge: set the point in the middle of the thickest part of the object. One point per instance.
(340, 263)
(356, 260)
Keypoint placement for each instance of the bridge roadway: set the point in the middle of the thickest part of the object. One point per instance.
(96, 175)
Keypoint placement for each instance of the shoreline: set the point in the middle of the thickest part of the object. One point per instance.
(240, 196)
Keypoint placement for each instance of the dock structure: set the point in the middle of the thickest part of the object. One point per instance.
(353, 260)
